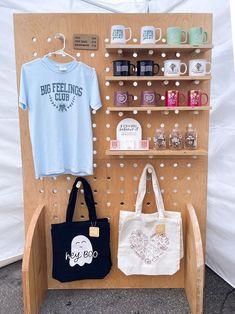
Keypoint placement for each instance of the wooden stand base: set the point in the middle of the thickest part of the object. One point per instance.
(35, 267)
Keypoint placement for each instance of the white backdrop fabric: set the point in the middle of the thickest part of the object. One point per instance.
(220, 253)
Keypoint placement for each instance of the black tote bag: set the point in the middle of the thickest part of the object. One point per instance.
(81, 249)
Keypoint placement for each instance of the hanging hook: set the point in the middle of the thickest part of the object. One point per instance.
(61, 37)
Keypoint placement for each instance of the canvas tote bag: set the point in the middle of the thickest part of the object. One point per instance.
(81, 249)
(149, 244)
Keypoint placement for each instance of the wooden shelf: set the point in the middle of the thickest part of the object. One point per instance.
(153, 152)
(157, 78)
(112, 48)
(143, 109)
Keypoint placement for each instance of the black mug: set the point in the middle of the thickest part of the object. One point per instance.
(123, 68)
(147, 68)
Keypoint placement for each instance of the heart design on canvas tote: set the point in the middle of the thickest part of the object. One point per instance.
(149, 249)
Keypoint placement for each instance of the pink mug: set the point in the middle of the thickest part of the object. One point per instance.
(122, 98)
(195, 98)
(173, 98)
(149, 98)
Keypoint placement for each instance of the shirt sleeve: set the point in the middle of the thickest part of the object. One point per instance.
(95, 102)
(23, 97)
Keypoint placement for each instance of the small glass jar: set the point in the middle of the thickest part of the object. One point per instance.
(160, 138)
(175, 138)
(190, 137)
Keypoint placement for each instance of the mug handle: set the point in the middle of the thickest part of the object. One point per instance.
(182, 97)
(158, 97)
(160, 34)
(208, 72)
(185, 35)
(185, 65)
(158, 68)
(133, 68)
(205, 38)
(131, 97)
(207, 98)
(130, 33)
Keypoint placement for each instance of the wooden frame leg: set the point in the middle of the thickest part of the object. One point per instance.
(34, 267)
(194, 262)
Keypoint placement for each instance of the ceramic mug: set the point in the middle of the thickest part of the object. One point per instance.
(197, 36)
(195, 98)
(172, 98)
(149, 98)
(173, 68)
(174, 36)
(148, 35)
(118, 34)
(197, 67)
(122, 98)
(123, 68)
(147, 68)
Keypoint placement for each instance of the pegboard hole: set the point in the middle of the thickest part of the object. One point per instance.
(135, 84)
(188, 178)
(120, 114)
(175, 165)
(161, 178)
(122, 178)
(106, 55)
(162, 191)
(95, 191)
(54, 178)
(122, 191)
(94, 139)
(107, 69)
(55, 217)
(134, 40)
(135, 178)
(94, 178)
(93, 111)
(107, 111)
(122, 165)
(82, 216)
(68, 178)
(108, 178)
(175, 178)
(149, 83)
(149, 125)
(122, 203)
(68, 191)
(162, 165)
(108, 204)
(78, 54)
(82, 191)
(174, 190)
(175, 203)
(189, 165)
(107, 125)
(34, 39)
(108, 191)
(107, 83)
(148, 203)
(163, 55)
(94, 152)
(92, 55)
(54, 191)
(49, 39)
(41, 191)
(107, 138)
(94, 125)
(135, 165)
(35, 54)
(107, 97)
(135, 97)
(82, 203)
(188, 191)
(95, 165)
(108, 165)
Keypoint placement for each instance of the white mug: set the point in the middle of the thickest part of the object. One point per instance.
(197, 67)
(148, 35)
(118, 35)
(173, 68)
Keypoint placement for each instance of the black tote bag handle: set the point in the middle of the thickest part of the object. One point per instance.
(88, 195)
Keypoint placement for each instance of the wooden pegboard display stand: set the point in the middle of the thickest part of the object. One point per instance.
(183, 174)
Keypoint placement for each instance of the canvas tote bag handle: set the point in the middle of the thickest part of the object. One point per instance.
(142, 192)
(88, 199)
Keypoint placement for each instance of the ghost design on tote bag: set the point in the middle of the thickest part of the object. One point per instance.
(81, 251)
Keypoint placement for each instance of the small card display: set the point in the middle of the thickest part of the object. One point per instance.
(85, 42)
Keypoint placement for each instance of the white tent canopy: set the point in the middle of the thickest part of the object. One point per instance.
(220, 254)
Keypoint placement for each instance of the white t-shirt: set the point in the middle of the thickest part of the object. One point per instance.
(59, 97)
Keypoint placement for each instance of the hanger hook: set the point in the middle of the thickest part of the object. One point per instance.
(61, 37)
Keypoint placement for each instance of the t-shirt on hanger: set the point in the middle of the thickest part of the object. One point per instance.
(59, 97)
